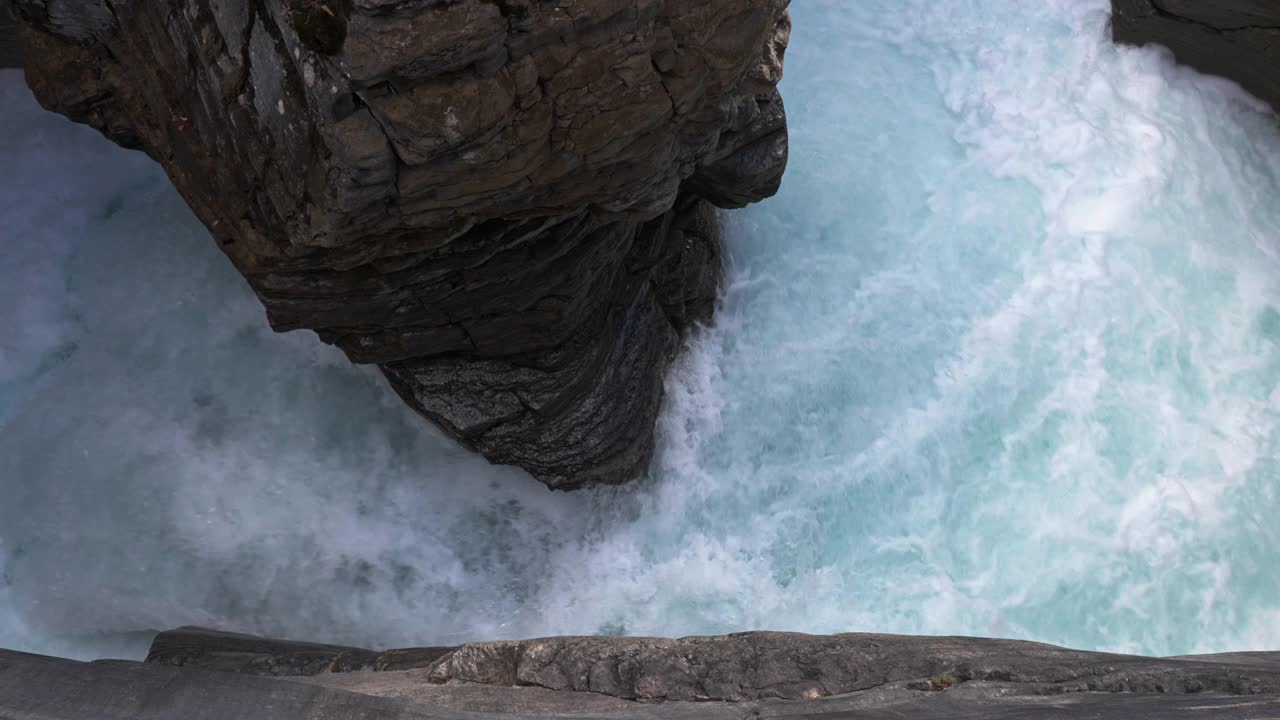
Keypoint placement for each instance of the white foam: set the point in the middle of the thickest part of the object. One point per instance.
(1003, 357)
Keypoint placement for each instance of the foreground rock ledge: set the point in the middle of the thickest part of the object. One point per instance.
(508, 205)
(195, 673)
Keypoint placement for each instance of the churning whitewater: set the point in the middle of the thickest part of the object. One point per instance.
(1001, 359)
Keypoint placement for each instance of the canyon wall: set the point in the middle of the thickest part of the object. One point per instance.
(1237, 39)
(509, 206)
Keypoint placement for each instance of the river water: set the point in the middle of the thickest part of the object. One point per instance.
(1002, 358)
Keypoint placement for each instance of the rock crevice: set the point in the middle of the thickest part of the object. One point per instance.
(507, 205)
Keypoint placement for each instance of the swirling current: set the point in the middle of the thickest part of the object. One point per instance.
(1002, 358)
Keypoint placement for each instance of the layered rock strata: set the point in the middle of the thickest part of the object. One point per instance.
(507, 205)
(735, 668)
(193, 674)
(1237, 39)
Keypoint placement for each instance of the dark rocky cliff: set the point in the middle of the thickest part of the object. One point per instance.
(1237, 39)
(8, 37)
(507, 205)
(195, 674)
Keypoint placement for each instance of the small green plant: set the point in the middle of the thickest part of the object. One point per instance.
(943, 681)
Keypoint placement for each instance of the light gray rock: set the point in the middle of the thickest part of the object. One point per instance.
(732, 668)
(756, 675)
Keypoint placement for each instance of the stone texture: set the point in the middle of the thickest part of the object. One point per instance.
(1237, 39)
(792, 666)
(508, 205)
(729, 668)
(195, 647)
(8, 37)
(232, 652)
(754, 675)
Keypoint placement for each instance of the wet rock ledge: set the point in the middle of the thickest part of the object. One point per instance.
(507, 205)
(1237, 39)
(195, 673)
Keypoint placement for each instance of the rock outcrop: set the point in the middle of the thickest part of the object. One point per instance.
(233, 652)
(794, 666)
(193, 674)
(507, 205)
(1237, 39)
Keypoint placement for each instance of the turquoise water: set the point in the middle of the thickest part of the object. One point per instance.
(1002, 359)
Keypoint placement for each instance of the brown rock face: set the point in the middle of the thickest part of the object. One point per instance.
(508, 205)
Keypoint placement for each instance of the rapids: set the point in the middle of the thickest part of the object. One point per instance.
(1002, 358)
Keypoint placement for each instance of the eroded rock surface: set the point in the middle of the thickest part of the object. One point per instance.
(508, 205)
(793, 666)
(748, 675)
(734, 668)
(1237, 39)
(233, 652)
